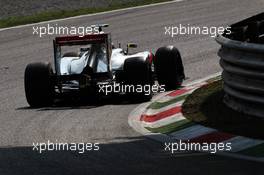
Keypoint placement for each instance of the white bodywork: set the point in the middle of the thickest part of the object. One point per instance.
(72, 65)
(75, 65)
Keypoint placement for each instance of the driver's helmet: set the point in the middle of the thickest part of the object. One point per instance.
(83, 50)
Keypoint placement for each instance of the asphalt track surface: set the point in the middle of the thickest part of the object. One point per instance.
(122, 150)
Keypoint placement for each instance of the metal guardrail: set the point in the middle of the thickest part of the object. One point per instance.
(242, 61)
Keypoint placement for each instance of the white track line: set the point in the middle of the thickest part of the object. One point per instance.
(93, 14)
(193, 83)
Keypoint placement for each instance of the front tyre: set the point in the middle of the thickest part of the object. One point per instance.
(39, 88)
(168, 67)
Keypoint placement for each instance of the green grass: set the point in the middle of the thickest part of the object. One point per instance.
(205, 106)
(51, 15)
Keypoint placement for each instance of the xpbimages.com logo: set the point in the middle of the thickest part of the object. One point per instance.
(201, 147)
(64, 30)
(59, 146)
(130, 88)
(180, 29)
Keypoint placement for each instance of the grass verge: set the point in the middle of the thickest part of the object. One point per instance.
(205, 106)
(51, 15)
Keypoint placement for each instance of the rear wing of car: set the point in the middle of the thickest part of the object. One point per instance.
(81, 40)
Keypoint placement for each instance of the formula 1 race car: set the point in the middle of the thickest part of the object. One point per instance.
(98, 63)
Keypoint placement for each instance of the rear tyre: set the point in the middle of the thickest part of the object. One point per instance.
(39, 88)
(138, 74)
(168, 67)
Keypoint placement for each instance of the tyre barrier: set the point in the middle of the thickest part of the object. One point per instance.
(242, 60)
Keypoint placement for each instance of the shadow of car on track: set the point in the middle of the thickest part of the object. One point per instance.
(78, 103)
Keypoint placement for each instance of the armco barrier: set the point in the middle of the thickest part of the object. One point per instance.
(242, 60)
